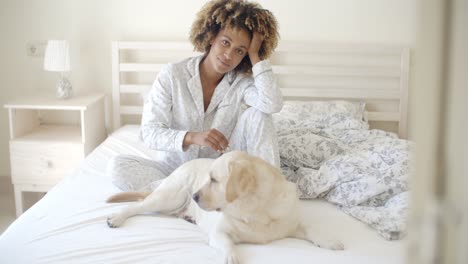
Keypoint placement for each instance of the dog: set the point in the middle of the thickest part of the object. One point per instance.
(255, 202)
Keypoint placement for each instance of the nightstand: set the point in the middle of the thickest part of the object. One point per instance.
(43, 152)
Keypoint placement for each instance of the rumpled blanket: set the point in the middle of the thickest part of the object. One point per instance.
(364, 172)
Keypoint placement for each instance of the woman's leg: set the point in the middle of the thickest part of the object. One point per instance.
(255, 134)
(133, 173)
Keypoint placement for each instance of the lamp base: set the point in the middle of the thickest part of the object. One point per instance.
(64, 89)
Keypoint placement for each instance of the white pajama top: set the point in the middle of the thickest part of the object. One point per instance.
(175, 106)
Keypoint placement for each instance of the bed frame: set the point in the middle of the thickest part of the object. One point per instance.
(375, 74)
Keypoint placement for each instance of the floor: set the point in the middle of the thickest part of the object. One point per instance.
(7, 203)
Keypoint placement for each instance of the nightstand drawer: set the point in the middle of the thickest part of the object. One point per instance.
(43, 162)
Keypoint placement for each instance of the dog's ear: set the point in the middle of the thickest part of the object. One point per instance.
(241, 180)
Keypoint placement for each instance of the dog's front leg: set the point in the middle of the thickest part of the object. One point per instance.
(222, 241)
(118, 219)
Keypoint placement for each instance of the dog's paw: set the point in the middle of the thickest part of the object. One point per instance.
(330, 244)
(114, 221)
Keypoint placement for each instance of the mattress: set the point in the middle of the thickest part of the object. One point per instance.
(68, 225)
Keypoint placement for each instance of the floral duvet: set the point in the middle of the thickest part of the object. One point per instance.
(330, 153)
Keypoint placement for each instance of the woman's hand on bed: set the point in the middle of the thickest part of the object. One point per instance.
(211, 138)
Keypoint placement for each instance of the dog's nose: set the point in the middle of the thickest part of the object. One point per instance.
(195, 197)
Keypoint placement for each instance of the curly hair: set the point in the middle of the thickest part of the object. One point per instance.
(236, 14)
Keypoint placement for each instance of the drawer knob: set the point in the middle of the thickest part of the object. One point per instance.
(49, 164)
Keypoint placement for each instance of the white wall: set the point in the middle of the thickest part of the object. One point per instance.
(91, 25)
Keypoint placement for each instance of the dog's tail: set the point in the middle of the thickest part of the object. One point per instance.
(127, 197)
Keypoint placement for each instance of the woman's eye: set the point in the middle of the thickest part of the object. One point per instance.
(224, 42)
(240, 52)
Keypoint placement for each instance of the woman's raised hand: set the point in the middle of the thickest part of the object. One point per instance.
(255, 44)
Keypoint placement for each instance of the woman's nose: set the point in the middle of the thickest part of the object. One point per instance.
(227, 54)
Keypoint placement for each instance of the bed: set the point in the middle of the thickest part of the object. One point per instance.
(333, 81)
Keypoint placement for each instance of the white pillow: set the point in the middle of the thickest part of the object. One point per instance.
(321, 114)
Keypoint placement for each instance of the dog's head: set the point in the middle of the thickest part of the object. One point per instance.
(232, 176)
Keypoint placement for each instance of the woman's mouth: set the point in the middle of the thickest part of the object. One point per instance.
(225, 64)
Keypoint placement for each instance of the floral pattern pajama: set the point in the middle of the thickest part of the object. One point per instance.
(241, 108)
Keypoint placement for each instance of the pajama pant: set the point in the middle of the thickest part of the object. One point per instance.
(254, 133)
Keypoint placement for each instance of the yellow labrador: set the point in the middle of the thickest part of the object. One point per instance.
(257, 203)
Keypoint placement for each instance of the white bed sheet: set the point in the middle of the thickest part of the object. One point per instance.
(69, 226)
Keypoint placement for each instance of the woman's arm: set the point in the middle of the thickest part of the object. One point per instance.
(263, 92)
(156, 121)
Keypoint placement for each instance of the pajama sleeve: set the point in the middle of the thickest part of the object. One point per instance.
(262, 92)
(156, 121)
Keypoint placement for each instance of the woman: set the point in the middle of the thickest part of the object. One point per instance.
(201, 106)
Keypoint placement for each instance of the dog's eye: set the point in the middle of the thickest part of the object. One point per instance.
(213, 180)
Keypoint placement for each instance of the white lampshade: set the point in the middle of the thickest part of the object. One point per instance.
(57, 56)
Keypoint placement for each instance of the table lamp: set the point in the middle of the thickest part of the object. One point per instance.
(57, 59)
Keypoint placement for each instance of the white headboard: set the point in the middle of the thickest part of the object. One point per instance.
(376, 74)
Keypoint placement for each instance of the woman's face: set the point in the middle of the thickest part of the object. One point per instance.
(228, 49)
